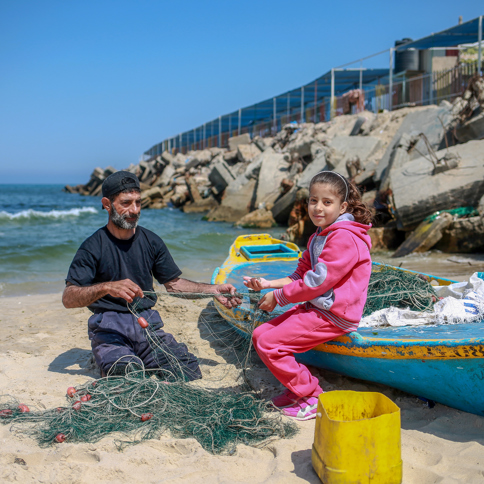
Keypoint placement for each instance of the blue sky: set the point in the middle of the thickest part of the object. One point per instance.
(96, 83)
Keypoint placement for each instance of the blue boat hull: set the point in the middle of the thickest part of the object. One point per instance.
(444, 363)
(458, 383)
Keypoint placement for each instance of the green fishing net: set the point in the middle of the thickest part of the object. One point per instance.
(134, 404)
(389, 287)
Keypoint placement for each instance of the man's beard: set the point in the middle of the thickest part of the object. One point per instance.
(120, 220)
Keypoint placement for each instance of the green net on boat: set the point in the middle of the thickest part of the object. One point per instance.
(389, 287)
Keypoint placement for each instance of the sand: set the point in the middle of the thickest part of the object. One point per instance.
(44, 349)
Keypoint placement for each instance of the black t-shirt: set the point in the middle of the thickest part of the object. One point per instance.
(103, 258)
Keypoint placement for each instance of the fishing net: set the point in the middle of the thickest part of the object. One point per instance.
(134, 404)
(389, 287)
(223, 409)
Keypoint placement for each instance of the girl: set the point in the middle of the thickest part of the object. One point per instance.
(331, 280)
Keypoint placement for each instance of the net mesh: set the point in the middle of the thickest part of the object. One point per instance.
(134, 404)
(389, 287)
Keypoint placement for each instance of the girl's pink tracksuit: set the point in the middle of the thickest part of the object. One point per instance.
(331, 280)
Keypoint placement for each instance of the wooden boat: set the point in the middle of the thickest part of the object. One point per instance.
(443, 363)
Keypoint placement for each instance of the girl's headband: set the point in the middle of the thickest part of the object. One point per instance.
(333, 173)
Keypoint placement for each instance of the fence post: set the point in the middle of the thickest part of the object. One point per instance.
(331, 112)
(479, 50)
(220, 131)
(274, 113)
(390, 83)
(302, 105)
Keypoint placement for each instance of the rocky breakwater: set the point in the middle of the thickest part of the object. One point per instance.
(409, 164)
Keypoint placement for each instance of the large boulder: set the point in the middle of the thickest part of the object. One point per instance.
(203, 157)
(317, 165)
(260, 219)
(246, 153)
(238, 200)
(235, 141)
(464, 235)
(432, 122)
(472, 129)
(220, 177)
(418, 193)
(273, 169)
(352, 147)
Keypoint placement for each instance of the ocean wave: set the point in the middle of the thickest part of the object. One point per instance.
(31, 214)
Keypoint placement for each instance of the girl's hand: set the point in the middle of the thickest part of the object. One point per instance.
(268, 302)
(257, 284)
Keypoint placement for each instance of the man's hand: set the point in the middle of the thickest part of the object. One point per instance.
(82, 296)
(125, 289)
(257, 284)
(228, 302)
(268, 302)
(180, 285)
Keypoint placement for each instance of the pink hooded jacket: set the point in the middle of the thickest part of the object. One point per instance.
(333, 273)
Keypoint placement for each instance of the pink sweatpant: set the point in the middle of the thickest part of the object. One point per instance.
(295, 331)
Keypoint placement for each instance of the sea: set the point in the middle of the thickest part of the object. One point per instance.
(41, 228)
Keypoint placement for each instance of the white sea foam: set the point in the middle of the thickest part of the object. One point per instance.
(54, 214)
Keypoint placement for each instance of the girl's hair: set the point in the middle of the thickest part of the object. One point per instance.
(347, 192)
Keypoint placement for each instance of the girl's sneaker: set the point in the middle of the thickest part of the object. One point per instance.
(304, 409)
(286, 399)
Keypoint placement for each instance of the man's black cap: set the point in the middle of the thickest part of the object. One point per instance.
(119, 181)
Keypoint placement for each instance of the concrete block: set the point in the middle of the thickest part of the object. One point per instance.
(235, 141)
(417, 193)
(317, 165)
(238, 200)
(203, 205)
(274, 168)
(428, 121)
(260, 219)
(383, 238)
(463, 235)
(283, 206)
(231, 156)
(167, 157)
(472, 129)
(425, 236)
(247, 153)
(220, 177)
(203, 157)
(165, 178)
(355, 146)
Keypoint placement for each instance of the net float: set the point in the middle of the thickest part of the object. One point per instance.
(86, 398)
(23, 408)
(71, 391)
(77, 406)
(60, 438)
(146, 416)
(60, 409)
(5, 413)
(142, 322)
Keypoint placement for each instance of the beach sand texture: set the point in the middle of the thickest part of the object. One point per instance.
(44, 349)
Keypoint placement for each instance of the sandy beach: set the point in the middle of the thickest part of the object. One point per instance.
(44, 349)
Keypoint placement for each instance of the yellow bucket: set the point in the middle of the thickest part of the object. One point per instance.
(357, 439)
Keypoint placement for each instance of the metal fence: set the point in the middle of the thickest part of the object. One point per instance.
(305, 105)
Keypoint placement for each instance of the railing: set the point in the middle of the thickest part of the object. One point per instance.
(408, 89)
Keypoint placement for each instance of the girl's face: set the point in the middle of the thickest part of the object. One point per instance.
(324, 206)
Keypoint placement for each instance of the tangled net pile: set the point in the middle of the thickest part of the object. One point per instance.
(389, 287)
(135, 404)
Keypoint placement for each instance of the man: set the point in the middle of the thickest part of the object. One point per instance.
(113, 267)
